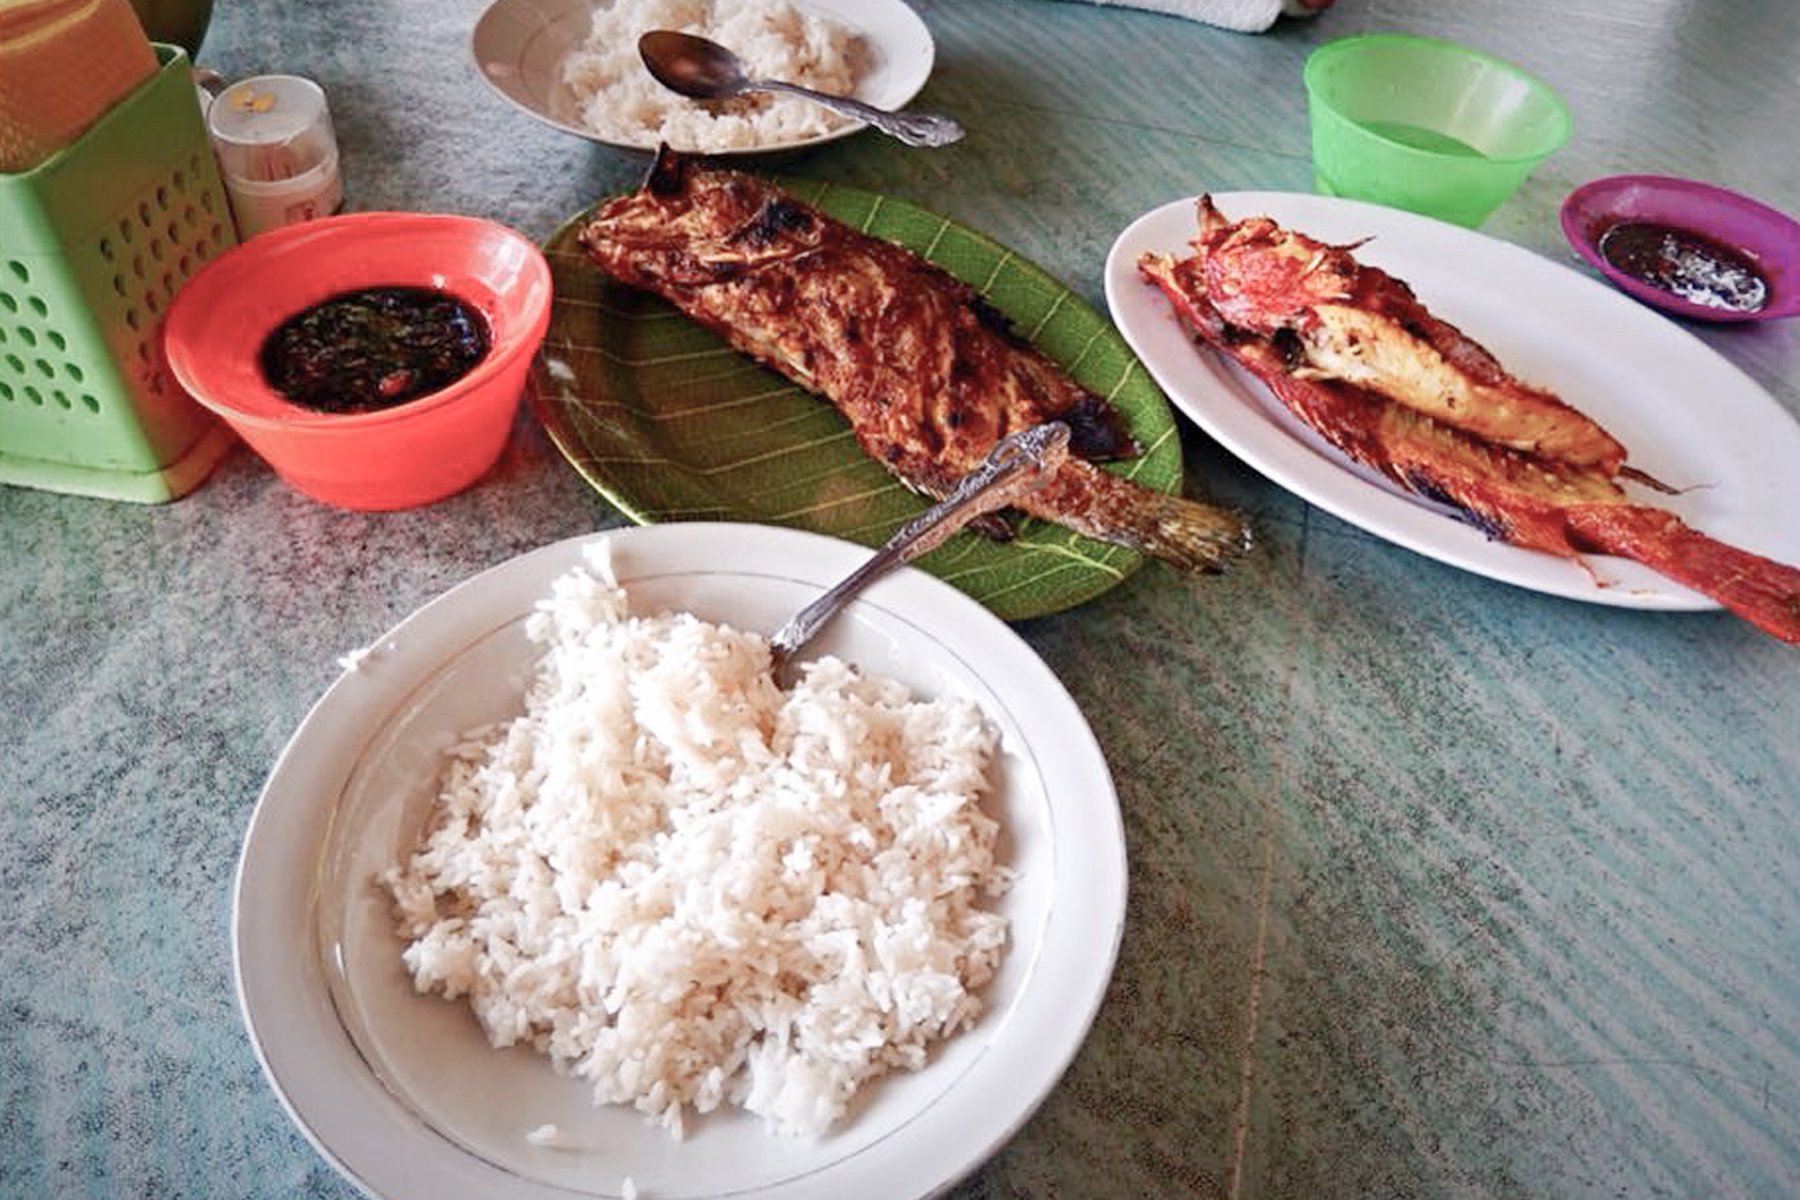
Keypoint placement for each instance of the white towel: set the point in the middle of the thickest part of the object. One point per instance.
(1244, 16)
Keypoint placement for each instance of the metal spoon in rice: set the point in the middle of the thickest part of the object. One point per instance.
(704, 70)
(1020, 463)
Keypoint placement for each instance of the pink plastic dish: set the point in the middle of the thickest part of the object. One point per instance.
(400, 457)
(1771, 239)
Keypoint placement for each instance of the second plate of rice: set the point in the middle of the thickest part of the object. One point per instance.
(574, 65)
(402, 1090)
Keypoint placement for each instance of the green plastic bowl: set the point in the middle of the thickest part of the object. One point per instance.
(1427, 125)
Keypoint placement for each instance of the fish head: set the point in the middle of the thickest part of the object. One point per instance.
(694, 223)
(1262, 277)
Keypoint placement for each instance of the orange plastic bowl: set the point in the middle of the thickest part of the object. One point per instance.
(412, 453)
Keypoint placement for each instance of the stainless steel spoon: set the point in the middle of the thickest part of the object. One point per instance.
(1019, 464)
(706, 70)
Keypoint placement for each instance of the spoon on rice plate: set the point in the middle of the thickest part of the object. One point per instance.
(704, 70)
(1017, 465)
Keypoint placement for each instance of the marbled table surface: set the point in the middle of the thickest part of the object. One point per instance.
(1439, 887)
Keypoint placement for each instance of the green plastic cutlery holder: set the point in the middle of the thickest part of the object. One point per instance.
(94, 243)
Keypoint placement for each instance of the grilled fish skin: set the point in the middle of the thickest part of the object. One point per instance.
(1360, 325)
(1520, 498)
(928, 374)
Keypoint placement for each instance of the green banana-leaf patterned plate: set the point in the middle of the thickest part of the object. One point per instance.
(670, 424)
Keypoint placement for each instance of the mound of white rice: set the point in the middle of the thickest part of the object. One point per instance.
(688, 887)
(617, 98)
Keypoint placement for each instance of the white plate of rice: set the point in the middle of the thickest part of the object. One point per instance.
(403, 1092)
(574, 64)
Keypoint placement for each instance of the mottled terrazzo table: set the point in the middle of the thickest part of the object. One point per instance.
(1440, 888)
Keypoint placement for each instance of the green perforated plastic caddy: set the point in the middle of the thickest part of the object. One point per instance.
(94, 243)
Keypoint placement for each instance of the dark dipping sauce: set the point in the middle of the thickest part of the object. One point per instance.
(1683, 263)
(373, 349)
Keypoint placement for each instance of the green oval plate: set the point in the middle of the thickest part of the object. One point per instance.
(670, 424)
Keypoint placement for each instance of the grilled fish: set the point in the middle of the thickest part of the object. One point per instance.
(928, 374)
(1514, 496)
(1360, 325)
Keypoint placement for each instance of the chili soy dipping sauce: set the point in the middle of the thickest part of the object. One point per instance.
(1697, 268)
(367, 350)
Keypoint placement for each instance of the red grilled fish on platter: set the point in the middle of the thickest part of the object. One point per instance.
(1358, 324)
(1505, 484)
(927, 373)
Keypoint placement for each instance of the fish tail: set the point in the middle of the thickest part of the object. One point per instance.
(1186, 533)
(1192, 535)
(1760, 590)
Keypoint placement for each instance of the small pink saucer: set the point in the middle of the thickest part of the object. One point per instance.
(1769, 238)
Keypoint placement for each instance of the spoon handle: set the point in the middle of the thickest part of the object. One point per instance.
(1019, 464)
(915, 129)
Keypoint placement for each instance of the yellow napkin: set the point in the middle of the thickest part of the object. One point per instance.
(63, 63)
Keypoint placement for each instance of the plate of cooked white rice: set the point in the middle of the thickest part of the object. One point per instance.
(574, 64)
(557, 891)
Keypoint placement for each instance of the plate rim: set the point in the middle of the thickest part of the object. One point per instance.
(854, 13)
(1218, 398)
(1089, 933)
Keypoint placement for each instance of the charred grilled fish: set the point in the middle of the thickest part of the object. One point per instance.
(928, 374)
(1526, 499)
